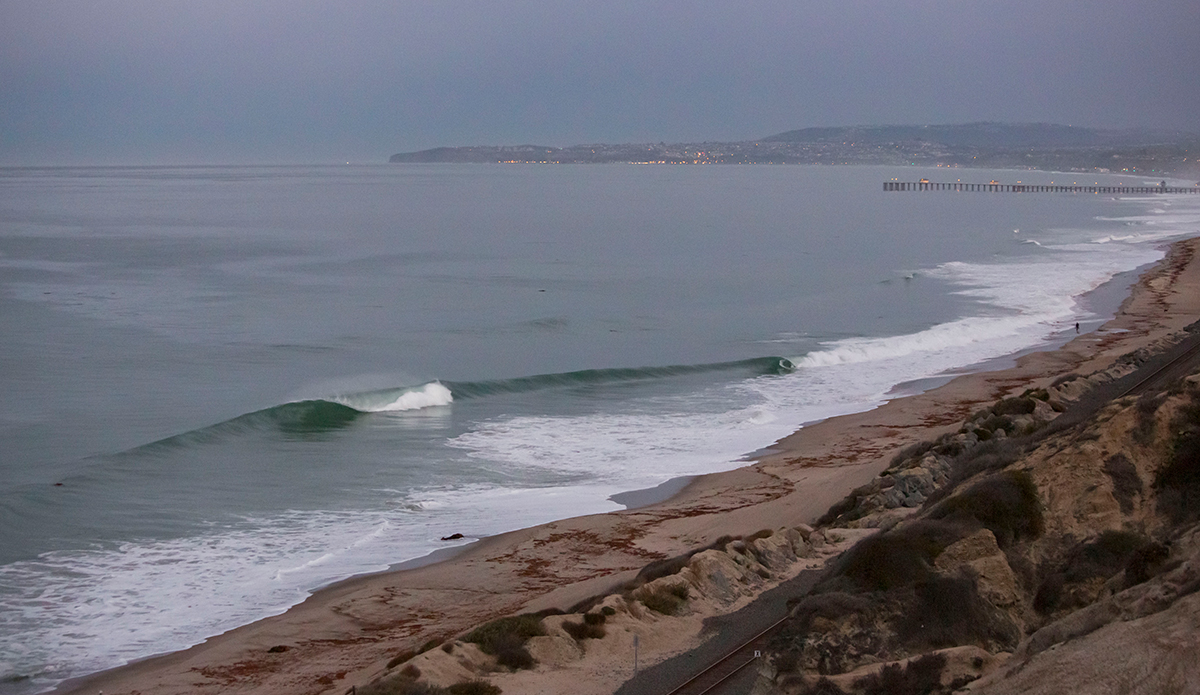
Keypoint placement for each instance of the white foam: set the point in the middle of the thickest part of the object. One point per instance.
(430, 395)
(1023, 304)
(82, 611)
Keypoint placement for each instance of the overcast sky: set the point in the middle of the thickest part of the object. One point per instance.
(160, 81)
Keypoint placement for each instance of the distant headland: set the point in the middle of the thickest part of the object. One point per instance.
(989, 145)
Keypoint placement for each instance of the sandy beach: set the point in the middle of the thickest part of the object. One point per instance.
(344, 635)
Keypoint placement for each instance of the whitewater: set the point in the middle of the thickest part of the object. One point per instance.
(229, 386)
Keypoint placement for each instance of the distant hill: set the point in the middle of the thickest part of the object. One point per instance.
(984, 145)
(984, 134)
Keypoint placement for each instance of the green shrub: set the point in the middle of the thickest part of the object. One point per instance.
(665, 600)
(1147, 409)
(823, 686)
(401, 658)
(608, 610)
(839, 509)
(786, 662)
(1178, 481)
(896, 558)
(475, 687)
(584, 630)
(1102, 557)
(1006, 504)
(947, 612)
(919, 677)
(522, 627)
(1049, 593)
(1126, 481)
(511, 652)
(505, 639)
(399, 685)
(430, 644)
(833, 605)
(596, 618)
(1145, 562)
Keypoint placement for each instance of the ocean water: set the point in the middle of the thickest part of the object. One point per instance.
(223, 387)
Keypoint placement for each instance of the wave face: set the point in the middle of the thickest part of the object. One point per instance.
(777, 309)
(759, 366)
(321, 416)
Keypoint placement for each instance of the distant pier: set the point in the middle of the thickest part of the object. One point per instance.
(1030, 188)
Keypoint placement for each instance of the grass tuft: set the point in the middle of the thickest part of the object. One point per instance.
(665, 600)
(947, 612)
(900, 557)
(399, 685)
(1125, 480)
(401, 658)
(918, 677)
(581, 631)
(475, 687)
(1007, 504)
(1178, 481)
(505, 639)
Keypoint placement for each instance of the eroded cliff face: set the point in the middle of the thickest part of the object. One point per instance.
(1020, 554)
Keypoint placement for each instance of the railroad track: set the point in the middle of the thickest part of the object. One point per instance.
(1178, 367)
(728, 666)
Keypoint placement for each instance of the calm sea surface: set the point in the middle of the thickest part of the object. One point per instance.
(221, 388)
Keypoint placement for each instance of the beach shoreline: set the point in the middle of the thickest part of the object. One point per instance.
(345, 633)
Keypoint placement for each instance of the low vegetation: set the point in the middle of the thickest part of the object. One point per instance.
(1178, 481)
(1069, 583)
(668, 600)
(1006, 504)
(918, 677)
(592, 627)
(406, 685)
(1126, 482)
(505, 639)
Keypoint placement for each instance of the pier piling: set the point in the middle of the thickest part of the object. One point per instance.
(1032, 188)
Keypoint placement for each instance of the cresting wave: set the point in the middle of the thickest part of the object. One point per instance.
(316, 417)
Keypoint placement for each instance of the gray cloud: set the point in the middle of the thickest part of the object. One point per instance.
(132, 81)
